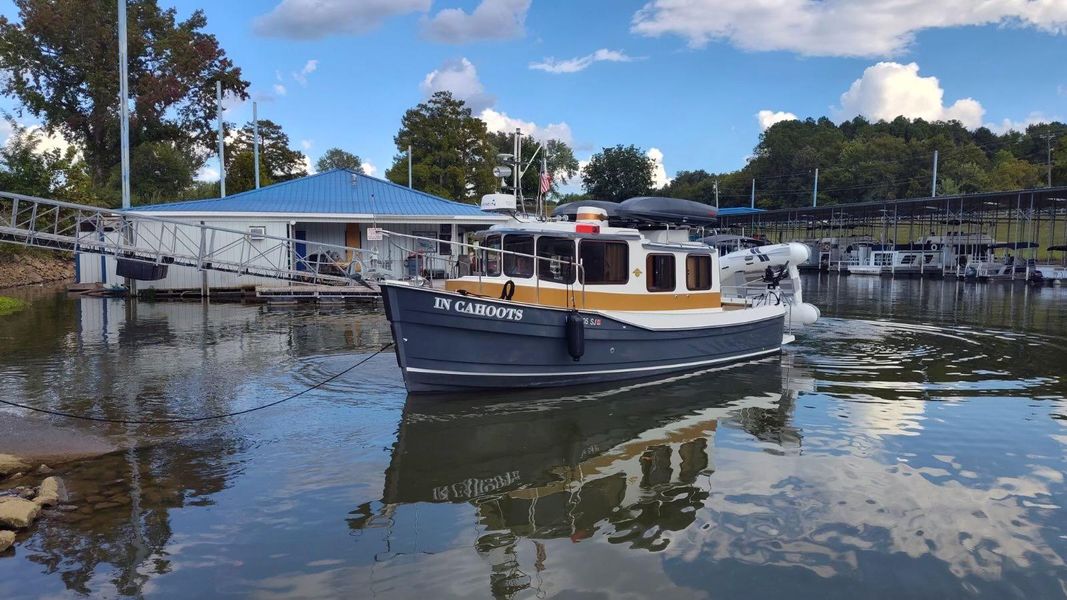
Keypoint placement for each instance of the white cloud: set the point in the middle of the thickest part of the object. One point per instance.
(461, 78)
(207, 173)
(490, 20)
(767, 118)
(313, 19)
(499, 121)
(835, 27)
(368, 168)
(1007, 125)
(309, 166)
(888, 90)
(279, 89)
(301, 76)
(573, 65)
(307, 144)
(659, 172)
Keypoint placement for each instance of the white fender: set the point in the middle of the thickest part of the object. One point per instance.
(804, 313)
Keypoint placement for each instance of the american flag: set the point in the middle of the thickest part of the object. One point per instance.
(546, 182)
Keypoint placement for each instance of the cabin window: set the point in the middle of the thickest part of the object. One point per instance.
(519, 266)
(604, 262)
(491, 260)
(698, 272)
(660, 271)
(555, 259)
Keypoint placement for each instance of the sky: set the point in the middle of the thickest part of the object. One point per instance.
(692, 82)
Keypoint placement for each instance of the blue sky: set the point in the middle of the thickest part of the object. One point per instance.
(686, 77)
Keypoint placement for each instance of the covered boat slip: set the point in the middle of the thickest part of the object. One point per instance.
(959, 229)
(449, 341)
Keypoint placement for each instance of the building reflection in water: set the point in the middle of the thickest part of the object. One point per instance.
(629, 464)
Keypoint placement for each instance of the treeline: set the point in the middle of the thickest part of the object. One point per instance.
(862, 161)
(857, 161)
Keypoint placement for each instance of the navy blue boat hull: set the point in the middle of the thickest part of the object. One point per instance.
(447, 342)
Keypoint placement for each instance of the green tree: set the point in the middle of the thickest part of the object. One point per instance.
(277, 161)
(1011, 173)
(159, 171)
(336, 158)
(618, 173)
(452, 154)
(698, 185)
(60, 61)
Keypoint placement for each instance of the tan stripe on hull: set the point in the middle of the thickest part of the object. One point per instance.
(592, 300)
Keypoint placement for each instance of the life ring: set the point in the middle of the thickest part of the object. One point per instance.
(935, 247)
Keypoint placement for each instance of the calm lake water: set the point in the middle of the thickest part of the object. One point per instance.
(911, 444)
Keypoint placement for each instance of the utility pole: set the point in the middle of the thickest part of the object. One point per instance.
(409, 166)
(1048, 146)
(716, 194)
(933, 184)
(124, 107)
(255, 142)
(815, 191)
(752, 199)
(222, 141)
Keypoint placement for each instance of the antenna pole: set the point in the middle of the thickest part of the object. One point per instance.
(124, 106)
(255, 142)
(752, 198)
(716, 194)
(222, 141)
(933, 184)
(409, 166)
(815, 191)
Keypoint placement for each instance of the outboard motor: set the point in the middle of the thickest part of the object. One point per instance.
(575, 335)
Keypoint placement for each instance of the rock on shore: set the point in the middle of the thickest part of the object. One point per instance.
(31, 267)
(17, 512)
(52, 492)
(6, 539)
(11, 464)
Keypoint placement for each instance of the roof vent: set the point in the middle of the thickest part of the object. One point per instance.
(355, 178)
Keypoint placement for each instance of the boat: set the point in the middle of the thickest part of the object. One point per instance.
(900, 260)
(560, 303)
(1001, 267)
(1050, 274)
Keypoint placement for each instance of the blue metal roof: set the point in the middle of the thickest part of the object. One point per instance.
(733, 211)
(338, 191)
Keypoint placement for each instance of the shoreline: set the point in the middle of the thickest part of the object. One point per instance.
(30, 268)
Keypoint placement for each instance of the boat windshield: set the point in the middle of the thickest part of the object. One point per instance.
(491, 260)
(559, 266)
(519, 266)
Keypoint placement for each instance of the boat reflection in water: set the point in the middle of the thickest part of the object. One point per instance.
(629, 463)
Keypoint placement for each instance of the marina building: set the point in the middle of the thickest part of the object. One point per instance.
(324, 213)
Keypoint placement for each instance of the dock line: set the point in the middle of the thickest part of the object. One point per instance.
(196, 419)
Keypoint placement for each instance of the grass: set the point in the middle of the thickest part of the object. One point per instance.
(10, 305)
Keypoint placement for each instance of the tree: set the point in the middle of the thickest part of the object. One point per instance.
(618, 173)
(26, 168)
(60, 61)
(277, 161)
(159, 171)
(452, 155)
(335, 158)
(562, 164)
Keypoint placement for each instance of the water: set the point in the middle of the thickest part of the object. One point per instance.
(911, 444)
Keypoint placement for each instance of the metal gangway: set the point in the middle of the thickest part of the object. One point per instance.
(153, 241)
